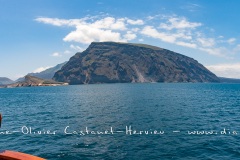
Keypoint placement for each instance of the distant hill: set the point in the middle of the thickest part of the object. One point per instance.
(229, 80)
(5, 80)
(111, 62)
(30, 81)
(46, 74)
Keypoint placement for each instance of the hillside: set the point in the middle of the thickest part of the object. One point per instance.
(110, 62)
(5, 80)
(30, 81)
(46, 74)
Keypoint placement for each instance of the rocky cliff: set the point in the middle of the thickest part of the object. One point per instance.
(110, 62)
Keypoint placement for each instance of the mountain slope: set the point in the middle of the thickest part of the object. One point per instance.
(46, 74)
(30, 81)
(5, 80)
(110, 62)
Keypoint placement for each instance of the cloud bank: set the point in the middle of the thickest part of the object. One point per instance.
(170, 29)
(226, 70)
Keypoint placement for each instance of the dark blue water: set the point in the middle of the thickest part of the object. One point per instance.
(175, 111)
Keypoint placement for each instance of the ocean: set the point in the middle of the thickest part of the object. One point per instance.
(123, 121)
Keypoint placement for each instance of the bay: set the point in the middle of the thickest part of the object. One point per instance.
(176, 121)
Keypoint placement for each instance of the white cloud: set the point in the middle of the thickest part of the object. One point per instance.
(87, 30)
(226, 70)
(112, 29)
(109, 23)
(105, 23)
(135, 29)
(175, 30)
(206, 42)
(67, 52)
(56, 54)
(185, 44)
(130, 36)
(77, 48)
(152, 32)
(150, 18)
(191, 7)
(220, 52)
(168, 37)
(231, 40)
(172, 29)
(179, 23)
(140, 40)
(182, 34)
(236, 49)
(40, 69)
(186, 34)
(135, 22)
(87, 34)
(59, 22)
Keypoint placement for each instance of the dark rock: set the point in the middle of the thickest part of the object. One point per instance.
(110, 62)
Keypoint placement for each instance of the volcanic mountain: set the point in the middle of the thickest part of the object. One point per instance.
(111, 62)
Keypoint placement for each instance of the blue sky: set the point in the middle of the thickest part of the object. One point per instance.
(35, 35)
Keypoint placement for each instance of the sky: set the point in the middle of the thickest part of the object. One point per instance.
(36, 35)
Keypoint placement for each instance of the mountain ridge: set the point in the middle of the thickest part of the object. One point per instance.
(45, 74)
(5, 80)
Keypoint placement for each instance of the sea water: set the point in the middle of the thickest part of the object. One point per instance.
(123, 121)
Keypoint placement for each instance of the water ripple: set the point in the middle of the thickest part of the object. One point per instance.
(168, 107)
